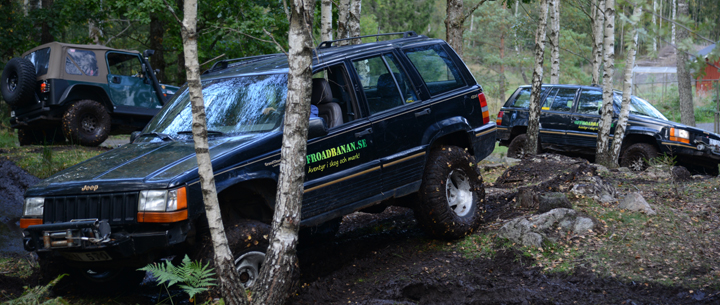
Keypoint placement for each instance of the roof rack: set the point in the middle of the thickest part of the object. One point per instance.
(327, 44)
(223, 64)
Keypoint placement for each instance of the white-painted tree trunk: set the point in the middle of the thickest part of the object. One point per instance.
(230, 287)
(275, 280)
(672, 26)
(602, 152)
(326, 20)
(533, 131)
(619, 134)
(554, 39)
(597, 50)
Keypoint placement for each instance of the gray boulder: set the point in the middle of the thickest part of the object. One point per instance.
(596, 188)
(550, 201)
(658, 172)
(636, 202)
(532, 231)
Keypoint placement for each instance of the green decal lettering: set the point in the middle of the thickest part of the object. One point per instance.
(334, 153)
(352, 146)
(341, 149)
(308, 159)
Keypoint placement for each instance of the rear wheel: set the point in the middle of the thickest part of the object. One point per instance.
(86, 122)
(451, 194)
(516, 148)
(637, 155)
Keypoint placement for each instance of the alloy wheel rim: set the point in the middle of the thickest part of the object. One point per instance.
(248, 267)
(458, 192)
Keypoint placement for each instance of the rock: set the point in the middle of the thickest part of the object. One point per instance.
(554, 224)
(526, 198)
(681, 173)
(658, 172)
(550, 201)
(596, 188)
(636, 202)
(624, 170)
(510, 162)
(602, 170)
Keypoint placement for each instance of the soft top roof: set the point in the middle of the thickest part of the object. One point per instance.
(55, 44)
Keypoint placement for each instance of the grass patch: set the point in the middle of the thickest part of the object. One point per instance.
(481, 244)
(16, 267)
(7, 138)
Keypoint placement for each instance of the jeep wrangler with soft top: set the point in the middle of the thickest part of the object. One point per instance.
(399, 122)
(80, 92)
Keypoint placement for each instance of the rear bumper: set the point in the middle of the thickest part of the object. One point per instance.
(483, 140)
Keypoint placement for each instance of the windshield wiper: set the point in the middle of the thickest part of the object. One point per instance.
(210, 132)
(162, 136)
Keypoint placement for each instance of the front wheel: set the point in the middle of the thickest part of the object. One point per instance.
(86, 122)
(451, 194)
(517, 147)
(637, 156)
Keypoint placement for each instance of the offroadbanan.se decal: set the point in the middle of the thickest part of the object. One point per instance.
(334, 152)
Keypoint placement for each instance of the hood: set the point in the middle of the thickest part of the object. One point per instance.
(148, 164)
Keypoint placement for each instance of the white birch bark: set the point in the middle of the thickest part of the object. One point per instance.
(597, 50)
(533, 131)
(343, 30)
(354, 20)
(230, 287)
(619, 134)
(654, 26)
(280, 263)
(672, 26)
(554, 39)
(602, 153)
(687, 108)
(326, 20)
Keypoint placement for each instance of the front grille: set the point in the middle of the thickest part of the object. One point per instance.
(116, 208)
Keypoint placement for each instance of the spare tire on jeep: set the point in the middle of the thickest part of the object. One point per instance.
(18, 82)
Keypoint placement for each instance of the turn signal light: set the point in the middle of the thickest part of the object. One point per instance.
(45, 87)
(162, 217)
(26, 222)
(679, 135)
(484, 106)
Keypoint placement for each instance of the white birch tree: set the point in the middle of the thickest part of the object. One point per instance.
(687, 108)
(343, 30)
(673, 13)
(533, 131)
(326, 20)
(597, 50)
(554, 40)
(354, 20)
(619, 134)
(602, 152)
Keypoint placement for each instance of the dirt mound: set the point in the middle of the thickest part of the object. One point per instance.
(13, 183)
(536, 169)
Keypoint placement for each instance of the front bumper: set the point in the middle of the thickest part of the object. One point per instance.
(691, 154)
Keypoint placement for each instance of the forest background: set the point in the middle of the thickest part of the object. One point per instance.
(498, 37)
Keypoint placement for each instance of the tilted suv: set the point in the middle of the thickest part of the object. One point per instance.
(569, 123)
(80, 92)
(399, 122)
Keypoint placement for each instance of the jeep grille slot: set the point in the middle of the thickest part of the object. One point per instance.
(116, 208)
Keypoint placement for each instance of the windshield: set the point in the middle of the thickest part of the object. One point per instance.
(640, 106)
(244, 104)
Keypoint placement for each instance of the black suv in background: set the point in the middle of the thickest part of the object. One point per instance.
(400, 122)
(569, 124)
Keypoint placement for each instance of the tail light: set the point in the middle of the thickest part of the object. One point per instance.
(484, 106)
(45, 87)
(499, 117)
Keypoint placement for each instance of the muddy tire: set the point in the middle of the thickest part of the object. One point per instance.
(49, 136)
(451, 194)
(17, 82)
(516, 148)
(635, 156)
(86, 122)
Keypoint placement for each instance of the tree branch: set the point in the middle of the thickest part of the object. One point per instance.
(680, 25)
(275, 41)
(256, 38)
(472, 10)
(118, 34)
(172, 11)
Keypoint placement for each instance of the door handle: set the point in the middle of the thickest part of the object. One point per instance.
(363, 133)
(421, 113)
(115, 79)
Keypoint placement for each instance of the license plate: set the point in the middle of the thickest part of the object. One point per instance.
(88, 256)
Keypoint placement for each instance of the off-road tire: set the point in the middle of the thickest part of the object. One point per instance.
(86, 122)
(516, 148)
(49, 136)
(635, 156)
(17, 82)
(434, 212)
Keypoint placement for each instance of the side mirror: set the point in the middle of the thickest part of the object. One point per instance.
(148, 53)
(317, 128)
(134, 135)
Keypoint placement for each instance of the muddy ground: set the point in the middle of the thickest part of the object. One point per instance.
(387, 259)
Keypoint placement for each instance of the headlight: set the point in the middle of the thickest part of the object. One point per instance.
(33, 207)
(679, 135)
(162, 200)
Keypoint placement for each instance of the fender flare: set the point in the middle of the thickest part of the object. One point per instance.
(96, 93)
(445, 127)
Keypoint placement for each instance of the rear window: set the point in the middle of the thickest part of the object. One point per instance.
(40, 59)
(436, 68)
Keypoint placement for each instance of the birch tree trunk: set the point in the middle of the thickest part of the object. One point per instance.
(627, 87)
(597, 50)
(554, 39)
(454, 25)
(687, 108)
(343, 30)
(354, 20)
(533, 132)
(275, 280)
(602, 152)
(326, 20)
(230, 287)
(672, 26)
(654, 27)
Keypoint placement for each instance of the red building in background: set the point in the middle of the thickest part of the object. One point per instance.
(704, 85)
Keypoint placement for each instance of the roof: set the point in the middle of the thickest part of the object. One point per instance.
(705, 51)
(56, 44)
(668, 70)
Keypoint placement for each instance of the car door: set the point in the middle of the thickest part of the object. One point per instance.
(129, 88)
(584, 122)
(342, 167)
(396, 115)
(556, 114)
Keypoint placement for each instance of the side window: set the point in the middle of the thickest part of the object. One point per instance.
(436, 68)
(549, 99)
(563, 100)
(589, 101)
(331, 98)
(40, 59)
(79, 62)
(124, 64)
(523, 98)
(380, 85)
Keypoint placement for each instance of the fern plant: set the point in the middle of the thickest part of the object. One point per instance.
(191, 277)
